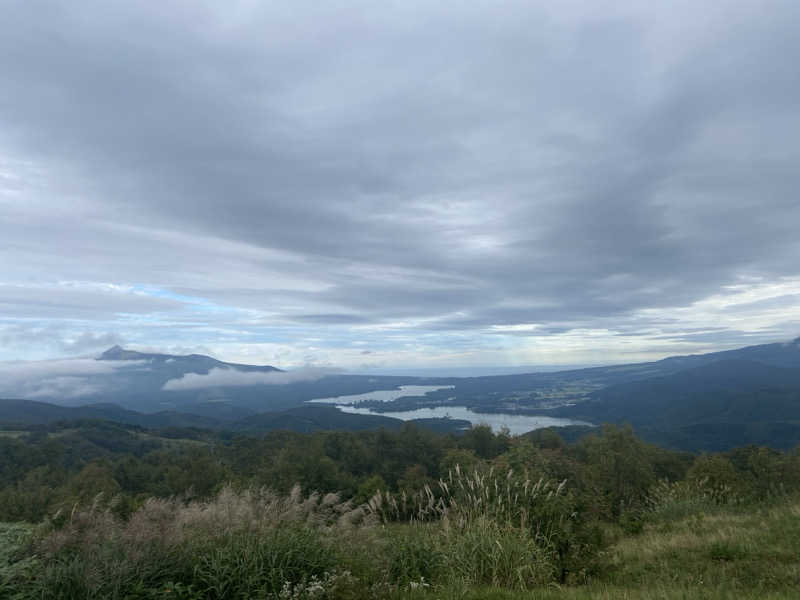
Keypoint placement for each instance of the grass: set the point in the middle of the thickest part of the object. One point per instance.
(488, 530)
(255, 544)
(737, 549)
(241, 544)
(596, 593)
(726, 554)
(14, 566)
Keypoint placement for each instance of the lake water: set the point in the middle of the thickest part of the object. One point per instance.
(384, 395)
(516, 424)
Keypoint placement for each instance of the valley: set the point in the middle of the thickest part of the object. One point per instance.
(699, 402)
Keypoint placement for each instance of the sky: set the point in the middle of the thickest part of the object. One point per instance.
(399, 185)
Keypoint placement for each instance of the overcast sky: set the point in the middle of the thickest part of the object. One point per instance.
(375, 185)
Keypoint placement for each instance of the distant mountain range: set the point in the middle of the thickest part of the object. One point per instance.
(140, 382)
(697, 402)
(31, 412)
(734, 390)
(730, 402)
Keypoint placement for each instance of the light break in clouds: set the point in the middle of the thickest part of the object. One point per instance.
(399, 185)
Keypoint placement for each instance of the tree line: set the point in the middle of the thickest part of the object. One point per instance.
(610, 472)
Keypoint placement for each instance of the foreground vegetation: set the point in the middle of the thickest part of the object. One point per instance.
(476, 516)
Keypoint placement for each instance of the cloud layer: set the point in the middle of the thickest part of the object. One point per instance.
(488, 183)
(64, 379)
(219, 377)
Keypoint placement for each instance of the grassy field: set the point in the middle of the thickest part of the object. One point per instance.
(714, 553)
(731, 554)
(14, 538)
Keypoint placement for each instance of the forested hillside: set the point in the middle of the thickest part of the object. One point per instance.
(711, 407)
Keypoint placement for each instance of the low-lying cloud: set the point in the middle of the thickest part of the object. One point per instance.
(232, 378)
(65, 379)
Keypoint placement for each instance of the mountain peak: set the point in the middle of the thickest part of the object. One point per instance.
(119, 353)
(190, 361)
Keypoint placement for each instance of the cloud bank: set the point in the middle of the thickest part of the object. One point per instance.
(62, 379)
(219, 377)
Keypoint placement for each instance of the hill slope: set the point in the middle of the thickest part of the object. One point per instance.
(718, 405)
(30, 412)
(303, 419)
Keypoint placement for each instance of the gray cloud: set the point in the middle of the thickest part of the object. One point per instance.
(56, 339)
(444, 169)
(219, 377)
(88, 341)
(329, 319)
(76, 300)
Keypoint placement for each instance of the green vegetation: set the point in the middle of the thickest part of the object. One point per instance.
(105, 511)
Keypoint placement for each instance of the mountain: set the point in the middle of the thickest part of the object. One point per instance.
(138, 383)
(175, 363)
(733, 390)
(138, 379)
(30, 412)
(780, 354)
(683, 401)
(577, 385)
(735, 401)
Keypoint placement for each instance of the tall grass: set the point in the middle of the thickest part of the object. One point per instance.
(669, 501)
(465, 496)
(245, 544)
(15, 566)
(716, 552)
(477, 535)
(490, 528)
(475, 529)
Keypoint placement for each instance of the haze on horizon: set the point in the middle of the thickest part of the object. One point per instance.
(415, 185)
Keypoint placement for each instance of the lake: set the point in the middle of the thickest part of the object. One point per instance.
(516, 424)
(384, 395)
